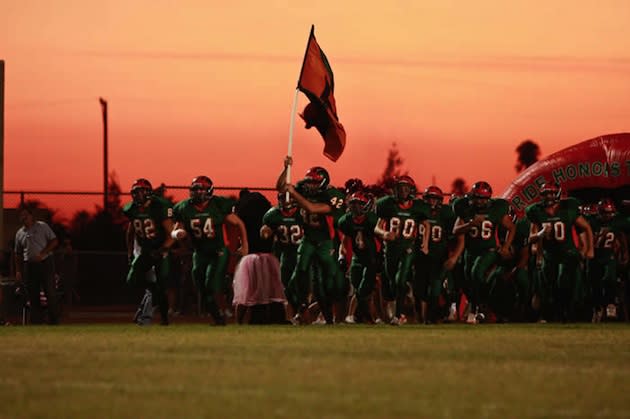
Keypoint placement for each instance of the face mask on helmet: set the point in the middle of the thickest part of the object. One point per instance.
(198, 194)
(141, 191)
(433, 196)
(359, 204)
(550, 194)
(402, 191)
(311, 187)
(404, 188)
(316, 180)
(480, 195)
(201, 189)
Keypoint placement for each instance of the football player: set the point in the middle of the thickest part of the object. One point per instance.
(285, 224)
(478, 218)
(150, 227)
(358, 225)
(511, 294)
(608, 241)
(201, 217)
(554, 221)
(398, 218)
(435, 267)
(317, 204)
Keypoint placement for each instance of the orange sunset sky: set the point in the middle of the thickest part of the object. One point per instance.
(206, 87)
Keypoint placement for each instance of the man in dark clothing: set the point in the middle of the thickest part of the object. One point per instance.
(34, 244)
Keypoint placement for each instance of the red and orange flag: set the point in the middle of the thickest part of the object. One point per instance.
(318, 84)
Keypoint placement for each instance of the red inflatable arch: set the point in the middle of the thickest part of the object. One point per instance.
(602, 162)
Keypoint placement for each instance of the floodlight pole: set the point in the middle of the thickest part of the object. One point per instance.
(103, 103)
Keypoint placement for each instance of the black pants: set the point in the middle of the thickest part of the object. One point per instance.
(41, 275)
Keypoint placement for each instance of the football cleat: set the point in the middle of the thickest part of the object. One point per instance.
(452, 313)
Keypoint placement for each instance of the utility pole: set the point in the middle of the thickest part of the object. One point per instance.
(103, 103)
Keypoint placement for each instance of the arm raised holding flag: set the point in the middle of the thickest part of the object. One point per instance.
(317, 83)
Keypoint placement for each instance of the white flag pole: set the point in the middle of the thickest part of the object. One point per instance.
(294, 109)
(291, 128)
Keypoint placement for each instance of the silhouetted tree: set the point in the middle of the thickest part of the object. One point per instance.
(393, 168)
(528, 153)
(105, 230)
(161, 192)
(49, 215)
(114, 203)
(78, 228)
(459, 187)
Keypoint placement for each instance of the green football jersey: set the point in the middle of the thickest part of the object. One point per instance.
(337, 202)
(402, 220)
(521, 237)
(320, 227)
(559, 238)
(441, 223)
(287, 227)
(486, 236)
(204, 224)
(361, 230)
(624, 223)
(605, 233)
(148, 221)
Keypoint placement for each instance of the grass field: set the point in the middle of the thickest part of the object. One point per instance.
(191, 371)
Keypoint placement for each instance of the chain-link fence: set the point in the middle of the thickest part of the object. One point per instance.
(92, 270)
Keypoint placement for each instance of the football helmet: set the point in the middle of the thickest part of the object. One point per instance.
(480, 194)
(359, 203)
(481, 189)
(316, 180)
(141, 191)
(201, 189)
(434, 196)
(404, 188)
(353, 185)
(550, 193)
(606, 209)
(589, 209)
